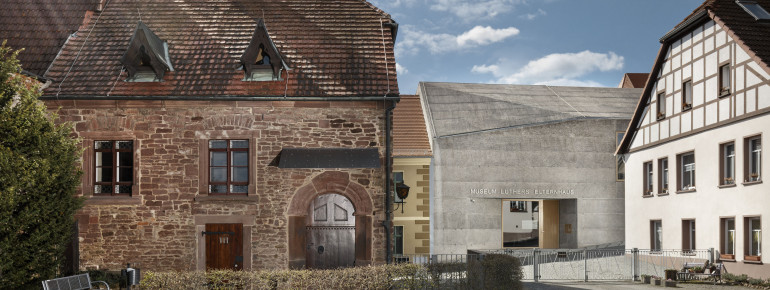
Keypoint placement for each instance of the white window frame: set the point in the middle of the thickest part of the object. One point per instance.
(729, 236)
(687, 169)
(755, 246)
(755, 158)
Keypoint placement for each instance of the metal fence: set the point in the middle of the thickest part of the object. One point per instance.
(577, 264)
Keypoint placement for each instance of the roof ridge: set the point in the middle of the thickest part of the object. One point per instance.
(377, 9)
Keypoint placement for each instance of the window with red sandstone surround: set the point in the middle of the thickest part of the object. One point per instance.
(228, 167)
(113, 168)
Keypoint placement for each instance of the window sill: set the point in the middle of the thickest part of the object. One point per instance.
(113, 200)
(685, 191)
(661, 118)
(724, 94)
(213, 198)
(663, 194)
(647, 195)
(747, 183)
(685, 109)
(752, 259)
(727, 185)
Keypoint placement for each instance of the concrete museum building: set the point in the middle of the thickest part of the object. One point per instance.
(227, 134)
(524, 166)
(693, 150)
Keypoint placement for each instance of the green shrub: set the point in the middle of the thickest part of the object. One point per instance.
(756, 282)
(495, 271)
(401, 276)
(39, 173)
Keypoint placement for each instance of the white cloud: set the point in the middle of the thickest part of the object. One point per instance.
(483, 35)
(474, 9)
(555, 69)
(531, 16)
(401, 70)
(413, 40)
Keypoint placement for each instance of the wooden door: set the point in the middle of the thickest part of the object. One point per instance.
(549, 233)
(331, 233)
(224, 246)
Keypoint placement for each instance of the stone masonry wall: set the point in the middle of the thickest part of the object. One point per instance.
(155, 228)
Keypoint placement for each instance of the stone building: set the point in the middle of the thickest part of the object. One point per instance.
(220, 134)
(524, 166)
(411, 164)
(693, 149)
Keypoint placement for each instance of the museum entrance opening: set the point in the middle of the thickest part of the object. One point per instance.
(530, 223)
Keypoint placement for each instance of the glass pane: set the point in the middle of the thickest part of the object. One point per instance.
(125, 174)
(99, 189)
(520, 223)
(217, 188)
(123, 188)
(240, 174)
(102, 144)
(103, 158)
(125, 159)
(240, 158)
(239, 144)
(104, 174)
(218, 144)
(125, 144)
(239, 188)
(218, 158)
(218, 174)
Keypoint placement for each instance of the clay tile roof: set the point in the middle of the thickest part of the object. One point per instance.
(634, 80)
(334, 48)
(41, 27)
(410, 136)
(752, 34)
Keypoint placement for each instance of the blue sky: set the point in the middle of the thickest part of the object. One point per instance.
(554, 42)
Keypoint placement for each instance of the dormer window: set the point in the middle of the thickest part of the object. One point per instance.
(261, 61)
(146, 58)
(755, 10)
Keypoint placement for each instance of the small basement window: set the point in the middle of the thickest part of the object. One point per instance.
(755, 10)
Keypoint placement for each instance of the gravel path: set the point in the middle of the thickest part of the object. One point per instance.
(620, 285)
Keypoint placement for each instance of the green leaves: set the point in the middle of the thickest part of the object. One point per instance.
(39, 174)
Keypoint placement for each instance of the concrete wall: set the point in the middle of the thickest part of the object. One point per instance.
(570, 161)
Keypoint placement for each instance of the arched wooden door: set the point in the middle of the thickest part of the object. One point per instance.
(330, 231)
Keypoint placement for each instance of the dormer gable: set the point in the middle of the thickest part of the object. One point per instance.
(146, 58)
(261, 60)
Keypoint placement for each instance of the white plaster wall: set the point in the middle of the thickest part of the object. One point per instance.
(709, 202)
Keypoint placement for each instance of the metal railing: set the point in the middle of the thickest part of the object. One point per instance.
(574, 264)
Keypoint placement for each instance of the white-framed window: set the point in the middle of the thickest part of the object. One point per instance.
(724, 80)
(661, 104)
(398, 240)
(621, 166)
(754, 238)
(687, 171)
(728, 164)
(398, 177)
(728, 236)
(663, 175)
(754, 156)
(687, 95)
(656, 235)
(648, 178)
(688, 235)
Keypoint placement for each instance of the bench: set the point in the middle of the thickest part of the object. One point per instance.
(76, 282)
(715, 271)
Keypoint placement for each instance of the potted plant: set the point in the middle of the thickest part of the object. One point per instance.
(697, 269)
(752, 258)
(729, 180)
(754, 176)
(727, 256)
(671, 274)
(646, 279)
(670, 283)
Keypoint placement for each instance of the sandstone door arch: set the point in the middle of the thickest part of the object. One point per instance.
(330, 182)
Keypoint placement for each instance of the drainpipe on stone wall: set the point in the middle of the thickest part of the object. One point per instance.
(388, 160)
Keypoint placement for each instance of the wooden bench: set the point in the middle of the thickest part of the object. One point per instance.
(76, 282)
(715, 271)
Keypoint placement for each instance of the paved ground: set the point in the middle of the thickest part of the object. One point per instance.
(620, 285)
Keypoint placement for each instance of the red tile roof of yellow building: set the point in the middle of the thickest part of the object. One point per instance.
(410, 136)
